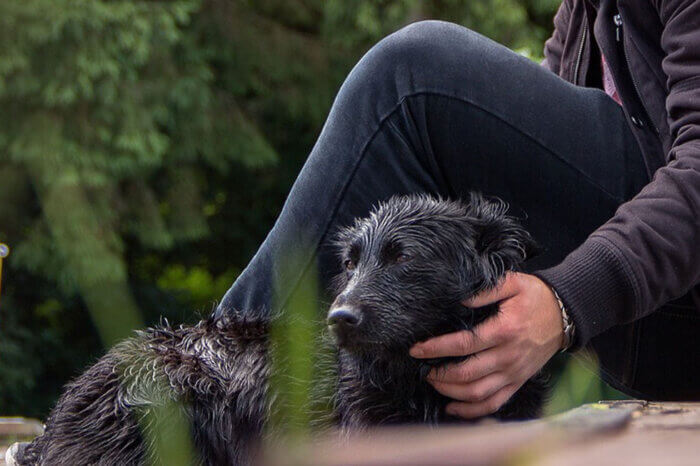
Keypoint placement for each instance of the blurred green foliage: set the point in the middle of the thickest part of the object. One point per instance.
(575, 382)
(167, 433)
(295, 355)
(146, 148)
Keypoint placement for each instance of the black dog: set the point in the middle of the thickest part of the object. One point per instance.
(407, 268)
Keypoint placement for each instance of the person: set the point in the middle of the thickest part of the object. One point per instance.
(598, 151)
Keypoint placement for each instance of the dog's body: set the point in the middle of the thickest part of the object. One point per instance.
(216, 372)
(408, 267)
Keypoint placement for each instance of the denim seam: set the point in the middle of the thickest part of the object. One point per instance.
(430, 164)
(519, 130)
(341, 195)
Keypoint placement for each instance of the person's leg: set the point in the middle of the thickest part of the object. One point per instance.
(438, 108)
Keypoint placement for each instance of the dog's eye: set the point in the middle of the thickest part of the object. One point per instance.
(402, 258)
(349, 264)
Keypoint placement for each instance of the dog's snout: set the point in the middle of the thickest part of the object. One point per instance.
(346, 317)
(344, 325)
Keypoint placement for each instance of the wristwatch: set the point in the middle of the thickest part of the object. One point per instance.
(569, 328)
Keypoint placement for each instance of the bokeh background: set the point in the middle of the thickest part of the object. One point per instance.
(146, 147)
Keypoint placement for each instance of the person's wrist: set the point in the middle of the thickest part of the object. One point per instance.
(548, 326)
(568, 328)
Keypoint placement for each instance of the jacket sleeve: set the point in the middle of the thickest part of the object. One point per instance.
(649, 252)
(554, 46)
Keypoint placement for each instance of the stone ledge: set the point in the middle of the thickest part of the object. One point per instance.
(605, 433)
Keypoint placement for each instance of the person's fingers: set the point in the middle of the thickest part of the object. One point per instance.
(459, 343)
(508, 288)
(476, 391)
(482, 408)
(478, 366)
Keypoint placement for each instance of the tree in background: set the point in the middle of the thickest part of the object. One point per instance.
(146, 148)
(112, 122)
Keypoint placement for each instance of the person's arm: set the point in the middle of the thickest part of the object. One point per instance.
(649, 252)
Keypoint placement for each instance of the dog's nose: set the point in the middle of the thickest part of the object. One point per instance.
(346, 317)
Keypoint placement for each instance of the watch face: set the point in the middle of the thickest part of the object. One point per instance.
(4, 250)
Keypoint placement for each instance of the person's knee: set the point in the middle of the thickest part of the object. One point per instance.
(428, 44)
(417, 50)
(424, 36)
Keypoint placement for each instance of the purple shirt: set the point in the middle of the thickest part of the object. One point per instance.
(608, 83)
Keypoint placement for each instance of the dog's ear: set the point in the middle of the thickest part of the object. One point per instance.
(501, 243)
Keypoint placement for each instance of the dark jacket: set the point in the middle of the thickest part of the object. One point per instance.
(645, 261)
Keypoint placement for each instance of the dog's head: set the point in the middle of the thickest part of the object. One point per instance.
(410, 264)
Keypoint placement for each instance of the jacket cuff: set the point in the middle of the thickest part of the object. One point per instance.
(597, 287)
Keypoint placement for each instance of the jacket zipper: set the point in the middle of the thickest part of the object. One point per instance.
(617, 19)
(579, 57)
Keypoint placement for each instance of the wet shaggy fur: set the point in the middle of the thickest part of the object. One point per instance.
(407, 268)
(215, 372)
(409, 265)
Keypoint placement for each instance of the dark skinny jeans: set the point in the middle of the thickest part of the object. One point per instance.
(440, 109)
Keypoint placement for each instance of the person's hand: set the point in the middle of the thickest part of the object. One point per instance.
(507, 349)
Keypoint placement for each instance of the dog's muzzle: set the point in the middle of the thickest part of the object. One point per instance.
(343, 323)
